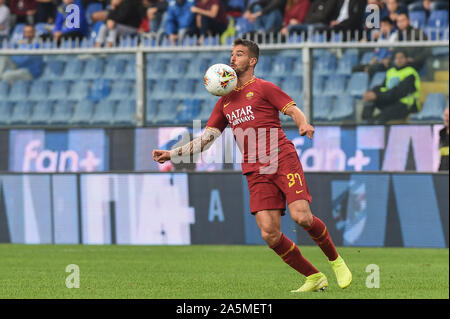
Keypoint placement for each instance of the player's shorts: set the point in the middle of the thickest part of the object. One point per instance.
(272, 191)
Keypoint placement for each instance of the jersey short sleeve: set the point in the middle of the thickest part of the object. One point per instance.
(217, 119)
(277, 97)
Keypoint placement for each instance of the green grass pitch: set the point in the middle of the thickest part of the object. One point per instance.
(212, 272)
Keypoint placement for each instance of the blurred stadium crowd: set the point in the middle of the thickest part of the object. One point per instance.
(104, 22)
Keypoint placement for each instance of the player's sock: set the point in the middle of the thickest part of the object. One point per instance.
(291, 255)
(319, 233)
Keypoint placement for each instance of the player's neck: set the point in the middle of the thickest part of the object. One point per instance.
(244, 78)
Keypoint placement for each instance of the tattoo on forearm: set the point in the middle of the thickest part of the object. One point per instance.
(197, 145)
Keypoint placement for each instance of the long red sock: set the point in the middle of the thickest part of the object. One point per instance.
(319, 233)
(291, 255)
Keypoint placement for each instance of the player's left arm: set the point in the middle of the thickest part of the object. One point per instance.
(300, 120)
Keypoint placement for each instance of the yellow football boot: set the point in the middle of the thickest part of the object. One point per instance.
(343, 274)
(314, 282)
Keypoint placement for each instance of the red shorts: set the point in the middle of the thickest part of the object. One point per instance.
(271, 191)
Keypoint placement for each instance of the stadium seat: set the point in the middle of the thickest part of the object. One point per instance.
(318, 82)
(343, 109)
(152, 110)
(19, 90)
(17, 33)
(82, 112)
(73, 70)
(125, 113)
(38, 90)
(167, 111)
(53, 70)
(80, 90)
(292, 85)
(436, 24)
(415, 6)
(21, 112)
(100, 89)
(121, 90)
(184, 88)
(439, 5)
(348, 60)
(104, 113)
(377, 79)
(325, 64)
(114, 69)
(367, 57)
(335, 85)
(297, 68)
(358, 84)
(206, 109)
(200, 90)
(62, 113)
(41, 29)
(432, 109)
(322, 106)
(242, 26)
(197, 67)
(42, 112)
(418, 19)
(282, 65)
(94, 69)
(190, 109)
(156, 67)
(4, 89)
(176, 67)
(59, 90)
(92, 8)
(163, 88)
(130, 70)
(5, 112)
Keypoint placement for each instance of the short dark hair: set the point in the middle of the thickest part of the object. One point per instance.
(253, 48)
(405, 13)
(402, 51)
(388, 20)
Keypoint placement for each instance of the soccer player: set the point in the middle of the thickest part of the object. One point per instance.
(273, 179)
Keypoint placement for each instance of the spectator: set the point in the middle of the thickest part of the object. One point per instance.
(180, 20)
(416, 56)
(22, 11)
(294, 14)
(100, 15)
(382, 58)
(443, 143)
(156, 14)
(350, 18)
(398, 98)
(5, 19)
(426, 4)
(76, 29)
(19, 67)
(210, 19)
(124, 18)
(393, 10)
(45, 11)
(266, 15)
(319, 16)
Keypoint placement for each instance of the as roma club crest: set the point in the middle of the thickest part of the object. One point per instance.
(249, 95)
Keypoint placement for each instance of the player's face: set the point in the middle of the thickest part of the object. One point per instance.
(446, 117)
(240, 60)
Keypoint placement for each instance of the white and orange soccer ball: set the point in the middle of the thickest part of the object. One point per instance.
(220, 79)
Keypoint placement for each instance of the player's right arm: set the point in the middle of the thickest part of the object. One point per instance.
(214, 128)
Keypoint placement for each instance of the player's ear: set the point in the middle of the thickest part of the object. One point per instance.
(253, 61)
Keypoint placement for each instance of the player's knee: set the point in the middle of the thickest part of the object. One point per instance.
(271, 237)
(302, 217)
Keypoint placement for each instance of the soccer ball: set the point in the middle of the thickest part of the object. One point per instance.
(220, 79)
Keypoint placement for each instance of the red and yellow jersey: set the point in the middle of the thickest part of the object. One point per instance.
(252, 113)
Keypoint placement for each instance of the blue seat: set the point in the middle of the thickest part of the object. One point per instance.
(82, 113)
(343, 108)
(177, 67)
(95, 29)
(21, 112)
(59, 90)
(206, 109)
(377, 79)
(104, 113)
(17, 33)
(358, 84)
(297, 67)
(152, 110)
(335, 85)
(439, 5)
(62, 113)
(114, 69)
(367, 57)
(264, 66)
(322, 107)
(100, 89)
(190, 109)
(432, 109)
(162, 88)
(125, 113)
(42, 112)
(282, 65)
(438, 20)
(130, 70)
(325, 64)
(197, 67)
(121, 90)
(41, 29)
(347, 62)
(415, 6)
(418, 19)
(38, 91)
(156, 67)
(53, 70)
(94, 69)
(74, 70)
(4, 89)
(200, 90)
(80, 90)
(167, 112)
(19, 90)
(242, 25)
(318, 83)
(5, 111)
(292, 84)
(184, 88)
